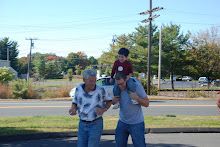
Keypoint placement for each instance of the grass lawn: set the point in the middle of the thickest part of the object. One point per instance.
(40, 124)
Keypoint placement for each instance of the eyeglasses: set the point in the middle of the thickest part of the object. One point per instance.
(121, 83)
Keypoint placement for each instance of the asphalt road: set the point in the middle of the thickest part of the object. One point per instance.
(164, 84)
(177, 84)
(60, 108)
(152, 140)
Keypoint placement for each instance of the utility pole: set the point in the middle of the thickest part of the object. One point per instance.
(7, 54)
(29, 61)
(113, 39)
(159, 65)
(149, 40)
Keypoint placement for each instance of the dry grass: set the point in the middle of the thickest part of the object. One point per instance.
(5, 91)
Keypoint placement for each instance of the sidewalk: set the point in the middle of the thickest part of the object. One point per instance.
(152, 140)
(38, 136)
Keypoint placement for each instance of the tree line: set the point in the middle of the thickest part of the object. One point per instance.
(182, 54)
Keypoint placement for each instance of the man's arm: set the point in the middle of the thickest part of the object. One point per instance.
(143, 101)
(115, 99)
(107, 105)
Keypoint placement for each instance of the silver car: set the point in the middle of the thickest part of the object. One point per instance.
(187, 78)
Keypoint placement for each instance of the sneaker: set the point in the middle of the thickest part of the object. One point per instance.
(134, 102)
(116, 106)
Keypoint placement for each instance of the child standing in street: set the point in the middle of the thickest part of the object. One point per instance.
(122, 65)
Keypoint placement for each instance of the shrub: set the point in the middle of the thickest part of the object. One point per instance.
(6, 75)
(69, 74)
(49, 94)
(19, 88)
(31, 94)
(136, 74)
(64, 91)
(153, 89)
(194, 94)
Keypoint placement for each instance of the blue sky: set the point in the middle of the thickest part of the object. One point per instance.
(64, 26)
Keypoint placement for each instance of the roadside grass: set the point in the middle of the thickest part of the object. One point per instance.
(42, 124)
(192, 89)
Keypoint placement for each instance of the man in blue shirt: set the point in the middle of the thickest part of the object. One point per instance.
(131, 118)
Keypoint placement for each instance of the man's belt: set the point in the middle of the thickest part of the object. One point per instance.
(92, 120)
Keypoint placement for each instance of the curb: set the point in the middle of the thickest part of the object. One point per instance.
(36, 136)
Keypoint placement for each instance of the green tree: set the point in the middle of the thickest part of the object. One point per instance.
(79, 58)
(139, 51)
(51, 70)
(70, 74)
(92, 60)
(174, 48)
(206, 51)
(39, 66)
(6, 75)
(108, 71)
(62, 62)
(22, 65)
(78, 70)
(5, 44)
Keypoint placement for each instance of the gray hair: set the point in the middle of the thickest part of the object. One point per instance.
(89, 73)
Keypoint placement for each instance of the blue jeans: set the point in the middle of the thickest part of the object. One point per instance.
(130, 86)
(89, 133)
(137, 132)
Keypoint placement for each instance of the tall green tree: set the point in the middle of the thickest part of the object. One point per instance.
(22, 65)
(79, 58)
(206, 51)
(39, 67)
(51, 70)
(174, 46)
(5, 44)
(92, 60)
(139, 51)
(62, 62)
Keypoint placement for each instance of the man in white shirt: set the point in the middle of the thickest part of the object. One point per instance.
(91, 101)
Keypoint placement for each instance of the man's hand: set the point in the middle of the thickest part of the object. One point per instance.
(133, 95)
(115, 99)
(100, 111)
(72, 111)
(111, 80)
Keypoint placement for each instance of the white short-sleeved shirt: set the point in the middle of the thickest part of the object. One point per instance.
(87, 103)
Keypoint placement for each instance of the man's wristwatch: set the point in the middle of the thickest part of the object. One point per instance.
(105, 108)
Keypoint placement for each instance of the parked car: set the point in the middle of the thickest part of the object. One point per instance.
(187, 78)
(203, 81)
(216, 82)
(105, 82)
